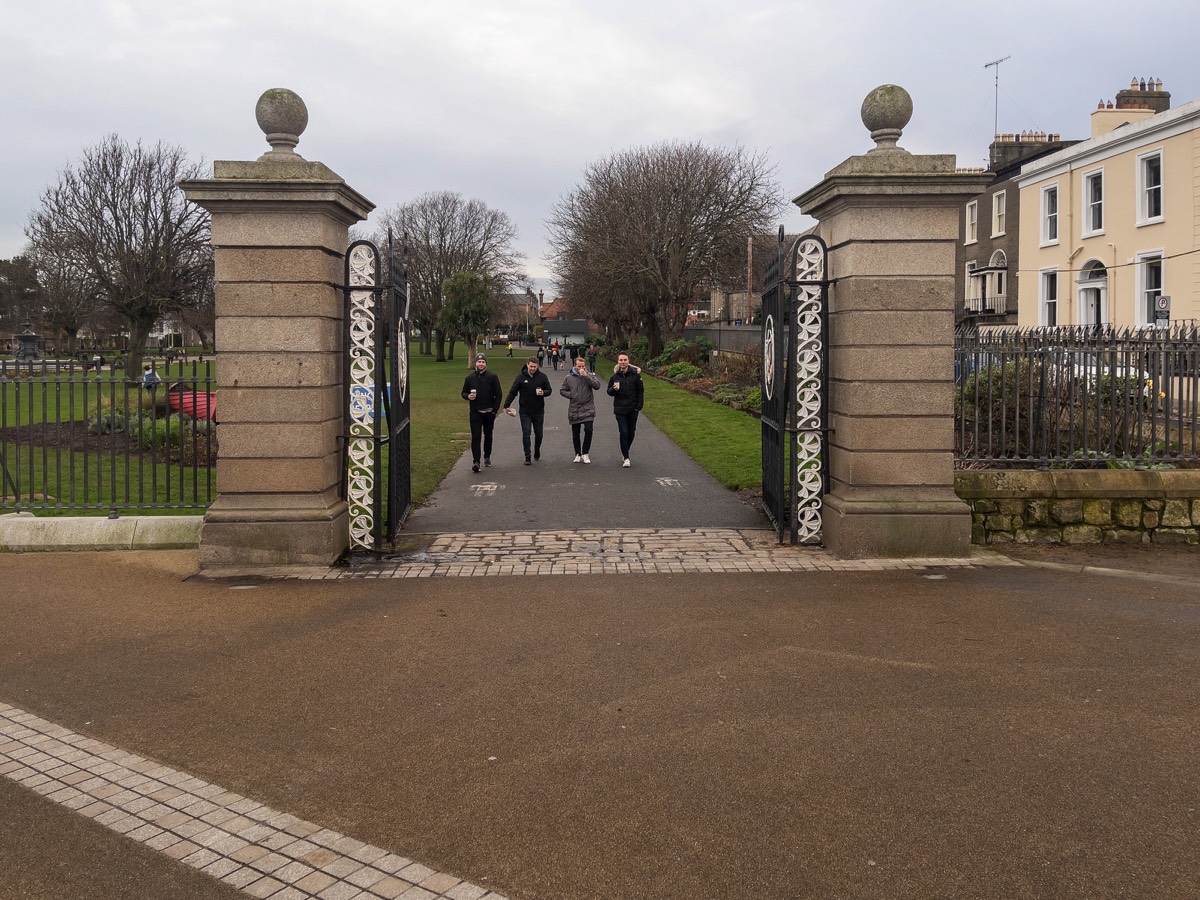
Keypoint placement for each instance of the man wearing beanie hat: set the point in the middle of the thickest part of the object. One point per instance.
(482, 390)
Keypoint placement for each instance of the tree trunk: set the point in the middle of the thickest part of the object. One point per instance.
(139, 331)
(653, 338)
(440, 339)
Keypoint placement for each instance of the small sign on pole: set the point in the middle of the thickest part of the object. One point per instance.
(1162, 311)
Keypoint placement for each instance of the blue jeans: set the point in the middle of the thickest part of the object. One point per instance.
(627, 426)
(532, 422)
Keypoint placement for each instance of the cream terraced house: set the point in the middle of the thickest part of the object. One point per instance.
(1111, 224)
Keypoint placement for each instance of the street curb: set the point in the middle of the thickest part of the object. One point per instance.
(26, 533)
(1106, 572)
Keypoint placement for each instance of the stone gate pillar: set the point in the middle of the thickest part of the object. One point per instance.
(891, 222)
(279, 232)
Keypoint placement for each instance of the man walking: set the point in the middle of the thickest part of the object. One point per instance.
(533, 387)
(578, 388)
(482, 390)
(625, 387)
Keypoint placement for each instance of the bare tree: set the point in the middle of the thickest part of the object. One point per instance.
(647, 226)
(69, 295)
(200, 313)
(446, 234)
(120, 217)
(20, 294)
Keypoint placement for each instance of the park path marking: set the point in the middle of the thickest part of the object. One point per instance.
(486, 489)
(259, 850)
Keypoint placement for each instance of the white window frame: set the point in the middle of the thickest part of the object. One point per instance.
(997, 281)
(999, 213)
(1092, 209)
(1144, 189)
(1048, 278)
(971, 226)
(1050, 220)
(972, 299)
(1146, 295)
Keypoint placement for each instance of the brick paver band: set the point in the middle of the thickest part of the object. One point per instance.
(640, 551)
(261, 851)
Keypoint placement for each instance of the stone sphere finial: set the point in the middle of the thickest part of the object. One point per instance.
(282, 116)
(885, 112)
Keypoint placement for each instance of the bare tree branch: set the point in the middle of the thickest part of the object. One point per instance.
(649, 226)
(120, 217)
(447, 234)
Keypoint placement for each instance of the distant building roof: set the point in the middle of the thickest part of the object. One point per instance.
(553, 309)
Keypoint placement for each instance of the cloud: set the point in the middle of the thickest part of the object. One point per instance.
(509, 102)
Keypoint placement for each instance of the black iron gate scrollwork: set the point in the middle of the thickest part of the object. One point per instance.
(375, 375)
(794, 384)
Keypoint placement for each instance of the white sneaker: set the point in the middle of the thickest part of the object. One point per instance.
(577, 458)
(625, 465)
(586, 458)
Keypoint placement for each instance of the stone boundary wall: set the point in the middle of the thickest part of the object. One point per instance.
(1082, 506)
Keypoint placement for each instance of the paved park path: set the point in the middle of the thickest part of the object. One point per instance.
(664, 488)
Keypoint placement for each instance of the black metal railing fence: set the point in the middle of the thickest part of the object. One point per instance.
(1078, 397)
(77, 438)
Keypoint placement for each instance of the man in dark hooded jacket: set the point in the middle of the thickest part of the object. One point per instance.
(626, 389)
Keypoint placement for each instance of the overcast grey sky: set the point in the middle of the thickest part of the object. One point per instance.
(508, 101)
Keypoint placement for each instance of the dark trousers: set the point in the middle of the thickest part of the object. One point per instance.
(532, 422)
(481, 427)
(627, 425)
(586, 428)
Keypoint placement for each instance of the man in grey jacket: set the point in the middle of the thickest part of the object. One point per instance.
(577, 387)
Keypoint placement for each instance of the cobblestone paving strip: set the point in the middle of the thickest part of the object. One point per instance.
(260, 850)
(641, 551)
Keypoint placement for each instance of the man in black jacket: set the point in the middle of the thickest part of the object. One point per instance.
(482, 390)
(534, 388)
(625, 387)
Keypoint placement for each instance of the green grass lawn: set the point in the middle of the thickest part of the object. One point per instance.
(726, 442)
(70, 394)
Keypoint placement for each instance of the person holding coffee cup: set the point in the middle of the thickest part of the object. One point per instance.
(533, 387)
(626, 388)
(482, 390)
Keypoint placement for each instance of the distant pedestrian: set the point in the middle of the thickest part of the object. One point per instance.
(554, 356)
(626, 389)
(578, 388)
(533, 387)
(591, 357)
(482, 390)
(541, 354)
(510, 348)
(150, 377)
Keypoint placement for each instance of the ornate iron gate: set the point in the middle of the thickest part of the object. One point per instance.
(794, 382)
(376, 377)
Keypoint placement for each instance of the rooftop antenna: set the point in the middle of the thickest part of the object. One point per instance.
(996, 64)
